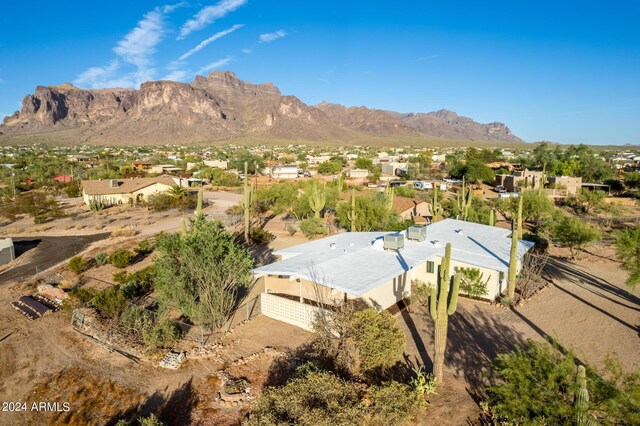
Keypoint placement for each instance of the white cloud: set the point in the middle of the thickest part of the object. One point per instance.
(209, 14)
(269, 37)
(177, 75)
(213, 65)
(247, 51)
(136, 49)
(211, 39)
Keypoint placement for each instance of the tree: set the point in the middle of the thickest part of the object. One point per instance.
(590, 199)
(201, 272)
(372, 214)
(177, 192)
(329, 168)
(364, 163)
(40, 206)
(632, 180)
(574, 233)
(628, 250)
(477, 171)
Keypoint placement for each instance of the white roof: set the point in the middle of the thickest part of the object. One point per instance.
(352, 263)
(5, 243)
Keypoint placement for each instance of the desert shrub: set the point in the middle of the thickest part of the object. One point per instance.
(82, 294)
(164, 334)
(150, 420)
(394, 403)
(318, 398)
(72, 190)
(165, 201)
(121, 258)
(260, 236)
(536, 384)
(101, 259)
(144, 247)
(78, 264)
(472, 284)
(110, 303)
(312, 226)
(123, 232)
(143, 278)
(40, 206)
(131, 289)
(378, 339)
(573, 233)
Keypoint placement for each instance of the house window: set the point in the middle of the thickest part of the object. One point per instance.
(430, 267)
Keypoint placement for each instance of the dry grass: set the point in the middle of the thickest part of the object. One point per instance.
(123, 232)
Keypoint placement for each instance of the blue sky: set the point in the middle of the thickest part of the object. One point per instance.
(564, 71)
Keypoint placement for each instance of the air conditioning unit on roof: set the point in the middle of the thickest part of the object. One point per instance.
(394, 242)
(417, 233)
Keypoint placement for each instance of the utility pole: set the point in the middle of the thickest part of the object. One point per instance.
(13, 182)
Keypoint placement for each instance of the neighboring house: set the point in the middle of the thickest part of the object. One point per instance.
(7, 251)
(391, 167)
(120, 191)
(358, 173)
(519, 180)
(412, 209)
(164, 168)
(63, 179)
(570, 184)
(217, 164)
(360, 265)
(141, 166)
(290, 171)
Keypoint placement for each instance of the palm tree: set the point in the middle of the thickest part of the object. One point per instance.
(177, 192)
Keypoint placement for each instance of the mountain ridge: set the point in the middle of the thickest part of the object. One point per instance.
(221, 106)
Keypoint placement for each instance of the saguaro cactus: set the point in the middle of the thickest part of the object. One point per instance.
(520, 222)
(247, 202)
(199, 213)
(340, 183)
(317, 200)
(492, 218)
(440, 307)
(513, 263)
(389, 192)
(352, 215)
(183, 225)
(465, 196)
(581, 404)
(436, 209)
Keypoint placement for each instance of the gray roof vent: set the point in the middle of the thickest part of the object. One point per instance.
(394, 242)
(459, 231)
(332, 245)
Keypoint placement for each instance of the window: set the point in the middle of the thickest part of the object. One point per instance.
(430, 267)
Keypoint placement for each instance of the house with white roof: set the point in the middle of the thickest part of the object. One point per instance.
(380, 270)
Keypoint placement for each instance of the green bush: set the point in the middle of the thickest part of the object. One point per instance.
(101, 259)
(164, 334)
(72, 190)
(121, 258)
(144, 247)
(259, 236)
(131, 289)
(541, 243)
(82, 294)
(312, 227)
(379, 341)
(78, 264)
(472, 283)
(394, 403)
(110, 303)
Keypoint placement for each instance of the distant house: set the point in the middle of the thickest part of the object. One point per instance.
(570, 184)
(358, 173)
(141, 166)
(289, 171)
(120, 191)
(519, 180)
(63, 179)
(412, 209)
(164, 168)
(217, 164)
(380, 266)
(7, 251)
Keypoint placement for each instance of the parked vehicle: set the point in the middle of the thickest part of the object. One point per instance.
(500, 189)
(421, 185)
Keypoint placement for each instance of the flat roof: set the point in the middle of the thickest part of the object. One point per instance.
(355, 262)
(5, 243)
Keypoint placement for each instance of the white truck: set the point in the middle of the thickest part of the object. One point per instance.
(422, 185)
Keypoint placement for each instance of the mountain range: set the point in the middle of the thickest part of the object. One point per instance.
(218, 107)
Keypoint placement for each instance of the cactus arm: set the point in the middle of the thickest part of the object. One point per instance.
(183, 225)
(511, 284)
(199, 205)
(433, 304)
(453, 302)
(581, 404)
(520, 223)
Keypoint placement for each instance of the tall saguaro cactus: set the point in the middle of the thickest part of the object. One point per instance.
(492, 218)
(352, 215)
(520, 222)
(199, 213)
(436, 209)
(513, 263)
(581, 403)
(465, 196)
(340, 183)
(247, 202)
(389, 192)
(317, 200)
(440, 307)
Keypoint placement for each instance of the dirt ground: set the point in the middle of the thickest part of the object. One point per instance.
(586, 309)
